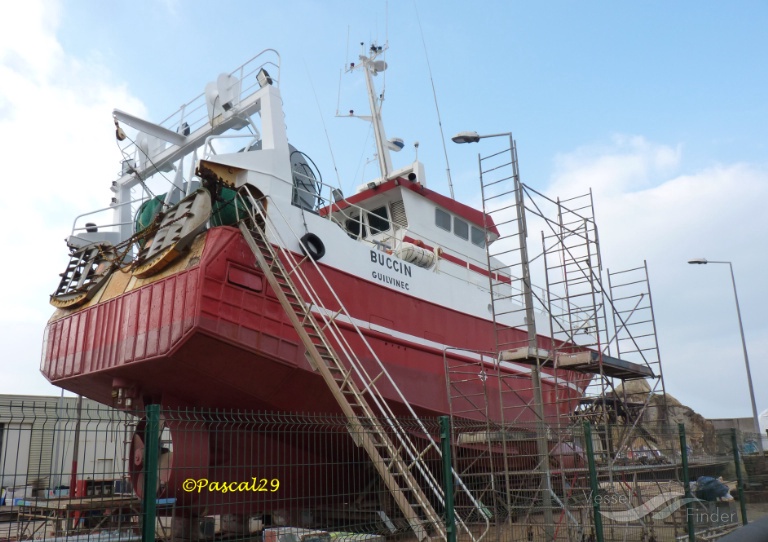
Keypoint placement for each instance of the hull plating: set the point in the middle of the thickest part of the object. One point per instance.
(214, 335)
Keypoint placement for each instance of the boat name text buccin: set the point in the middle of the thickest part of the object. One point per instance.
(394, 265)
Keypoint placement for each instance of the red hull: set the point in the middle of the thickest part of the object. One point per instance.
(214, 335)
(206, 336)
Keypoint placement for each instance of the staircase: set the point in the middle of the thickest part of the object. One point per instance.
(372, 424)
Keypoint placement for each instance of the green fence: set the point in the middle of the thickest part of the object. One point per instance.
(89, 472)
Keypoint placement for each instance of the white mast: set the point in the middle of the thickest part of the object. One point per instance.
(373, 67)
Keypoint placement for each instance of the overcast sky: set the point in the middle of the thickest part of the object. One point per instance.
(660, 108)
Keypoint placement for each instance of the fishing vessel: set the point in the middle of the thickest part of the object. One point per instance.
(226, 273)
(165, 302)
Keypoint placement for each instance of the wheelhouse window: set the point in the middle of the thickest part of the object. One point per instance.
(442, 219)
(378, 220)
(478, 237)
(460, 228)
(354, 227)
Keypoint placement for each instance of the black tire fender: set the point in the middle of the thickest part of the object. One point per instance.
(312, 246)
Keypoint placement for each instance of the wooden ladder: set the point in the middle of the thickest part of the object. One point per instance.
(389, 457)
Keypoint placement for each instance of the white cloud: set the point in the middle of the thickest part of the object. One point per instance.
(28, 43)
(59, 159)
(626, 164)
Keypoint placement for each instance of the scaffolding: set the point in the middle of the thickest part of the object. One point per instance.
(515, 339)
(583, 340)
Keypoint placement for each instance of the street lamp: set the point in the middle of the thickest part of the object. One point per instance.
(474, 137)
(466, 137)
(704, 261)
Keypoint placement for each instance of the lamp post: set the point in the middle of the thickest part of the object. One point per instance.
(541, 438)
(704, 261)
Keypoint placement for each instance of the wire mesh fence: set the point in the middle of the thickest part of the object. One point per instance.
(84, 471)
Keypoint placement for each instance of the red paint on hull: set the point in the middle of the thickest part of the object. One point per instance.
(206, 337)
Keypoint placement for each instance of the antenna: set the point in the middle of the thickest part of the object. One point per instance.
(346, 57)
(325, 128)
(338, 95)
(437, 108)
(386, 42)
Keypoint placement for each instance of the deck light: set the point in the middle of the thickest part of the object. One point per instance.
(263, 78)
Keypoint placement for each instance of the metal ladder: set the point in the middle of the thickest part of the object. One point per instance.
(396, 457)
